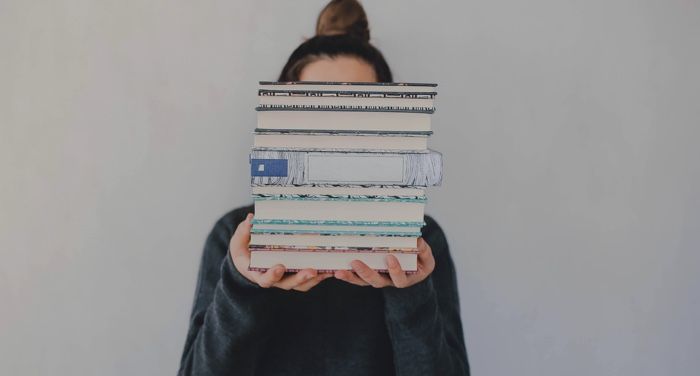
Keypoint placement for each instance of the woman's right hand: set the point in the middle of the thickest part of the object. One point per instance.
(274, 276)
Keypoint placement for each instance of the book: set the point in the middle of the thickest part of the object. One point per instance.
(336, 227)
(315, 229)
(346, 141)
(345, 106)
(349, 86)
(369, 98)
(278, 208)
(262, 260)
(284, 167)
(329, 224)
(337, 190)
(328, 120)
(338, 241)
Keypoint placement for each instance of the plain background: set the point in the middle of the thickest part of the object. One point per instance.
(571, 199)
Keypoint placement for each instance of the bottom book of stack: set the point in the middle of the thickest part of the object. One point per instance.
(328, 259)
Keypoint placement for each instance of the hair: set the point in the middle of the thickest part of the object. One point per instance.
(342, 29)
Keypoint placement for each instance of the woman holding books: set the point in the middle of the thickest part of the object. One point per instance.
(357, 322)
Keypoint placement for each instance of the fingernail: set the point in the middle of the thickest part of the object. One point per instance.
(391, 261)
(249, 217)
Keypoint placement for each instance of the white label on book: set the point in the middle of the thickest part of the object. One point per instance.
(353, 168)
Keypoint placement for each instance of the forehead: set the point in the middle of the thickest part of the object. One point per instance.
(339, 68)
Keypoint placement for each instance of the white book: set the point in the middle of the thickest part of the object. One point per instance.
(328, 261)
(339, 241)
(340, 141)
(328, 120)
(350, 86)
(268, 228)
(337, 191)
(340, 210)
(338, 100)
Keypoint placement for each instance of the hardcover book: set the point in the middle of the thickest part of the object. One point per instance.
(279, 167)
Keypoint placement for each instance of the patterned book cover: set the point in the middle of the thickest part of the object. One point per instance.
(348, 94)
(344, 132)
(343, 108)
(330, 227)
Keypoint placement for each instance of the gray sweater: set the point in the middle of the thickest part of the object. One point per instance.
(336, 328)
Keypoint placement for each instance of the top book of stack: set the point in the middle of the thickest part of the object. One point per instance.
(376, 107)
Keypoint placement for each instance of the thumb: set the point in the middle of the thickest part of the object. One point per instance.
(241, 237)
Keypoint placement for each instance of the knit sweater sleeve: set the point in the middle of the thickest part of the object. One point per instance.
(230, 315)
(424, 321)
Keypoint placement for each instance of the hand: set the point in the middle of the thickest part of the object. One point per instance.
(362, 275)
(273, 277)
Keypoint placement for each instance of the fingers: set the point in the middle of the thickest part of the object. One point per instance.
(301, 281)
(291, 281)
(306, 286)
(370, 276)
(350, 277)
(398, 276)
(269, 277)
(426, 261)
(241, 237)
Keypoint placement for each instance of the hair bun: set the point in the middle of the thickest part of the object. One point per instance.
(343, 17)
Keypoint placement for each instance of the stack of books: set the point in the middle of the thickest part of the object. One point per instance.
(339, 172)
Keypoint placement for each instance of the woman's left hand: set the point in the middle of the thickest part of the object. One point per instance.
(363, 275)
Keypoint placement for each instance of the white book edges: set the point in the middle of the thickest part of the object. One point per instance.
(327, 261)
(336, 191)
(338, 241)
(339, 141)
(340, 210)
(295, 100)
(325, 120)
(350, 86)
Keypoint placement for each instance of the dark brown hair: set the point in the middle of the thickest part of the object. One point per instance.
(341, 30)
(343, 17)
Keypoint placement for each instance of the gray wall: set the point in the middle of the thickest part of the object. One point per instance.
(571, 200)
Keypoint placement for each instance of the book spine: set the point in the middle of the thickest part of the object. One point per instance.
(328, 222)
(335, 232)
(278, 167)
(262, 248)
(342, 108)
(355, 198)
(295, 270)
(291, 84)
(342, 132)
(346, 94)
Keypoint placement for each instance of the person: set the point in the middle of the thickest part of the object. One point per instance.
(355, 322)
